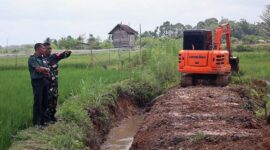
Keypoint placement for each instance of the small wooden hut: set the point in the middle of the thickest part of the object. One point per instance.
(123, 36)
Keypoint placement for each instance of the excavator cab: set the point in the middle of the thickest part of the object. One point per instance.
(197, 40)
(204, 58)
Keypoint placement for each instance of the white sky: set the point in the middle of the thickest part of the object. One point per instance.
(30, 21)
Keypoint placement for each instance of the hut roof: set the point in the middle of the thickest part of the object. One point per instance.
(126, 28)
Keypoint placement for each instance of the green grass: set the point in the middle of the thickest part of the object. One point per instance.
(16, 92)
(254, 65)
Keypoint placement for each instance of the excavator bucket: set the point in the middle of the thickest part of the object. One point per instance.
(234, 61)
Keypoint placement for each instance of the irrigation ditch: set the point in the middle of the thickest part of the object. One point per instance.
(127, 119)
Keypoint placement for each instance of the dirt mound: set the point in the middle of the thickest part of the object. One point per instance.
(201, 118)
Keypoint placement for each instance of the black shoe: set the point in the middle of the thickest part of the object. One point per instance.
(53, 119)
(38, 123)
(42, 123)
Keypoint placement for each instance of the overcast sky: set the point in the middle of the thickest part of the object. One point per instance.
(30, 21)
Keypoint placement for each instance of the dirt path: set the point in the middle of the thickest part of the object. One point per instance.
(201, 118)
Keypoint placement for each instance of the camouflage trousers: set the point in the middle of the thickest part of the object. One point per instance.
(52, 102)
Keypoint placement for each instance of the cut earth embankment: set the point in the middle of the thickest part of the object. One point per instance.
(203, 118)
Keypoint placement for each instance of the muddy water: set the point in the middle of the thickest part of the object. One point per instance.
(121, 137)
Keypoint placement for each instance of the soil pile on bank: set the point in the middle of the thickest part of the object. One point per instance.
(201, 118)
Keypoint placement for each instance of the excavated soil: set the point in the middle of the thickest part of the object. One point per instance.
(202, 118)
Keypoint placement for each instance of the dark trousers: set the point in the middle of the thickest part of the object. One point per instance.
(40, 91)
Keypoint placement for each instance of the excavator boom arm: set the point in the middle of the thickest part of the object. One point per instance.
(223, 29)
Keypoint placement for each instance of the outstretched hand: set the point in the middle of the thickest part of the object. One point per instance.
(68, 53)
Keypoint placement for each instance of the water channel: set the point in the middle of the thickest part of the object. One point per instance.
(121, 137)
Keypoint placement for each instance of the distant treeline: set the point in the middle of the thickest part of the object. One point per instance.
(69, 42)
(79, 42)
(241, 30)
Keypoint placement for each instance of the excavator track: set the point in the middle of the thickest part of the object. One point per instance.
(222, 80)
(186, 80)
(193, 79)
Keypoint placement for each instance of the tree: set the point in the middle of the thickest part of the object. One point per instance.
(245, 26)
(188, 27)
(266, 19)
(80, 38)
(165, 29)
(55, 44)
(148, 34)
(94, 42)
(259, 29)
(68, 43)
(178, 30)
(106, 44)
(200, 25)
(211, 23)
(224, 20)
(91, 40)
(156, 32)
(48, 40)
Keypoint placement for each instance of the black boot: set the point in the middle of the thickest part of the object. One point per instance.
(53, 119)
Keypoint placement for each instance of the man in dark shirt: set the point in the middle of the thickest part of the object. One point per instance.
(53, 60)
(39, 73)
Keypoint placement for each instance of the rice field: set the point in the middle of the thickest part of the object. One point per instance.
(254, 65)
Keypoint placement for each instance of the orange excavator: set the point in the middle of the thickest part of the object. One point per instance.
(205, 60)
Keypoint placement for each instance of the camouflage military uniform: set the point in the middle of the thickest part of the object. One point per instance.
(53, 60)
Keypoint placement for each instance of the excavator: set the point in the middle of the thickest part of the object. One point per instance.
(205, 60)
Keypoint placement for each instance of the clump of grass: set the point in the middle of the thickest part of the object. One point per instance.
(162, 60)
(196, 138)
(63, 135)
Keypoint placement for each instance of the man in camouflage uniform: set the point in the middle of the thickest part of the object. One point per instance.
(53, 60)
(40, 74)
